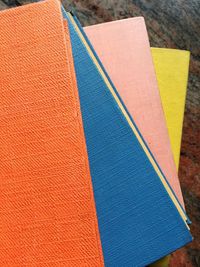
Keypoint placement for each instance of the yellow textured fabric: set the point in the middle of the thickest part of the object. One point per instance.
(164, 262)
(171, 67)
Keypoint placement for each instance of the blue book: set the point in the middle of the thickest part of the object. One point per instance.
(140, 219)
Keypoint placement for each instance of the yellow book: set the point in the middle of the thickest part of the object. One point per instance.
(171, 66)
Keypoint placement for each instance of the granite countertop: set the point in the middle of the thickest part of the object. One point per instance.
(170, 24)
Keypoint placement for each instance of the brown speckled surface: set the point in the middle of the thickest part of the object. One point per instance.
(171, 24)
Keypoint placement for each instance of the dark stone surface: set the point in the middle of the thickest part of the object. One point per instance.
(170, 24)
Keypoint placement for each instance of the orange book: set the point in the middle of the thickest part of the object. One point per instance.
(48, 215)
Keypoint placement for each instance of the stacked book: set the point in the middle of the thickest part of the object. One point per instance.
(90, 135)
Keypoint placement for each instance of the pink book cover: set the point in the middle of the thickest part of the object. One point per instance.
(123, 48)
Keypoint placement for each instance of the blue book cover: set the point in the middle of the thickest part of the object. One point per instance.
(140, 219)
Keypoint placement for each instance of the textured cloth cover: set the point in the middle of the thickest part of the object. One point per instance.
(137, 86)
(123, 48)
(138, 221)
(47, 211)
(172, 68)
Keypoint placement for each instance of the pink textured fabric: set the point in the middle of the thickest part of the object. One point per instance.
(123, 48)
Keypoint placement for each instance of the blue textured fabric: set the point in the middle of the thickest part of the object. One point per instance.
(138, 222)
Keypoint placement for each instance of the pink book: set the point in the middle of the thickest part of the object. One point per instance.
(124, 49)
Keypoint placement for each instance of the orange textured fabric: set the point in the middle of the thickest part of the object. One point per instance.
(47, 211)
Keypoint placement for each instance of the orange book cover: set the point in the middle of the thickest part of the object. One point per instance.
(48, 215)
(124, 50)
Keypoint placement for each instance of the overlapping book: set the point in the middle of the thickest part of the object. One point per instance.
(87, 171)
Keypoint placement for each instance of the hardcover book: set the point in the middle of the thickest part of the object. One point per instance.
(124, 50)
(172, 68)
(48, 215)
(140, 219)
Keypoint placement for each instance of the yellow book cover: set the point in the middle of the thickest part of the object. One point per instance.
(171, 66)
